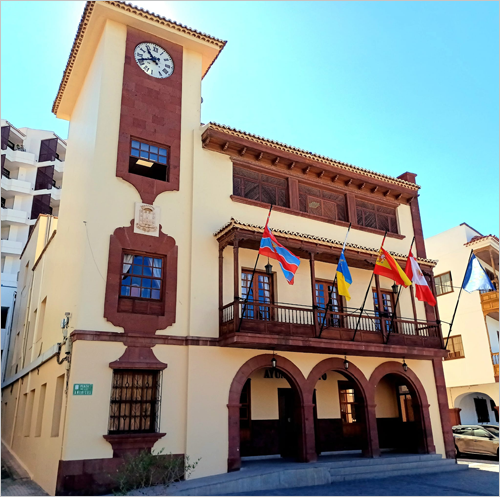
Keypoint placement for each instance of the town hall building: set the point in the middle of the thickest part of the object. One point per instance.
(140, 323)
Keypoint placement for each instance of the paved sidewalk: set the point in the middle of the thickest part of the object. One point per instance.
(469, 482)
(15, 480)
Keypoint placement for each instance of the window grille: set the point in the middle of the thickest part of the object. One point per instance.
(322, 203)
(376, 216)
(135, 402)
(260, 187)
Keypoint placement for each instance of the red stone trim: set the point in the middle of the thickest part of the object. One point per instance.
(125, 239)
(418, 392)
(138, 358)
(132, 443)
(444, 411)
(337, 364)
(296, 380)
(150, 111)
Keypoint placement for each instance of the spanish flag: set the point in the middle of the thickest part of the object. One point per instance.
(388, 267)
(344, 279)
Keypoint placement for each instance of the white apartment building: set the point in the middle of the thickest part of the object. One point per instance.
(32, 171)
(471, 370)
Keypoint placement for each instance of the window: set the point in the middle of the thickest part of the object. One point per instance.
(455, 347)
(135, 402)
(376, 216)
(323, 288)
(261, 187)
(405, 404)
(349, 403)
(483, 416)
(261, 290)
(444, 283)
(5, 313)
(480, 433)
(149, 160)
(322, 203)
(142, 282)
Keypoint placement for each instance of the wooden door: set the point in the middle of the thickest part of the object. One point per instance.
(287, 422)
(323, 289)
(246, 420)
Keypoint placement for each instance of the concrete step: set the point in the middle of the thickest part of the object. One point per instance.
(262, 478)
(400, 472)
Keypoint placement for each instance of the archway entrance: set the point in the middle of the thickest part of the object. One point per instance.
(270, 416)
(267, 412)
(402, 410)
(476, 408)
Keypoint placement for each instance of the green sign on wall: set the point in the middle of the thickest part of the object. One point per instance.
(82, 388)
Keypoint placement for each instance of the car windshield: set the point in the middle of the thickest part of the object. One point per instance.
(492, 429)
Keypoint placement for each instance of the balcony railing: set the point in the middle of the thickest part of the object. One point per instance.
(299, 321)
(6, 173)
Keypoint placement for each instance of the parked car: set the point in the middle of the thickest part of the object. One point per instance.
(476, 439)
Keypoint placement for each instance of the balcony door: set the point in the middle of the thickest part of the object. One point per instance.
(259, 290)
(387, 310)
(323, 289)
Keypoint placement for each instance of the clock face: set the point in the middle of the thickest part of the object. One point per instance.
(154, 60)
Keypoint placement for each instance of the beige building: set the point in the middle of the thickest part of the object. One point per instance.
(150, 264)
(471, 369)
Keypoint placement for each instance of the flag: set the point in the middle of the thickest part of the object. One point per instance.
(270, 247)
(476, 277)
(388, 267)
(344, 279)
(422, 290)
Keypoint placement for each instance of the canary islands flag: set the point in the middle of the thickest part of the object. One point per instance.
(272, 248)
(476, 277)
(344, 279)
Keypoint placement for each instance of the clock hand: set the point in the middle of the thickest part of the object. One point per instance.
(153, 58)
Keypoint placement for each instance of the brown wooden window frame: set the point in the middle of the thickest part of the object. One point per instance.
(123, 412)
(149, 309)
(336, 202)
(387, 316)
(335, 322)
(240, 180)
(347, 411)
(406, 411)
(146, 154)
(261, 311)
(455, 354)
(363, 209)
(439, 285)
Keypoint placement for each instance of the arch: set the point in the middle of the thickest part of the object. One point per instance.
(297, 381)
(468, 414)
(417, 390)
(368, 393)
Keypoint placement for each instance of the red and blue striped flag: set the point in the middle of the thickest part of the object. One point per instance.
(273, 249)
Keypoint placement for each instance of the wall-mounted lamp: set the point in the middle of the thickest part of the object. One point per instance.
(394, 288)
(274, 361)
(346, 363)
(269, 267)
(405, 366)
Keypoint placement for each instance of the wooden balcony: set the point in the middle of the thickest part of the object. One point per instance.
(489, 303)
(494, 358)
(298, 328)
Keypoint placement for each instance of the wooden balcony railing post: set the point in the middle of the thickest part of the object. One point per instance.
(221, 280)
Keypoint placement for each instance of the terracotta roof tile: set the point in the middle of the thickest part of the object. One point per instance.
(85, 19)
(233, 223)
(476, 239)
(310, 155)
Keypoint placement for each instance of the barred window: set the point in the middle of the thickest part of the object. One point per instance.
(322, 203)
(261, 187)
(444, 283)
(376, 216)
(455, 347)
(135, 402)
(142, 283)
(148, 159)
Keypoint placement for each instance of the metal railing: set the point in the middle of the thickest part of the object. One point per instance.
(347, 319)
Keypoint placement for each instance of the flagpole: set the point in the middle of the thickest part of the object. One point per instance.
(333, 284)
(397, 300)
(366, 294)
(458, 299)
(250, 289)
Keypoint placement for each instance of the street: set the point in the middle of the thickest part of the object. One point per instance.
(481, 479)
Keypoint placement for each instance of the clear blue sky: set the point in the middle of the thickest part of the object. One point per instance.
(388, 86)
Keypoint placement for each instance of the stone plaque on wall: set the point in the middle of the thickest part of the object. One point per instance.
(147, 219)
